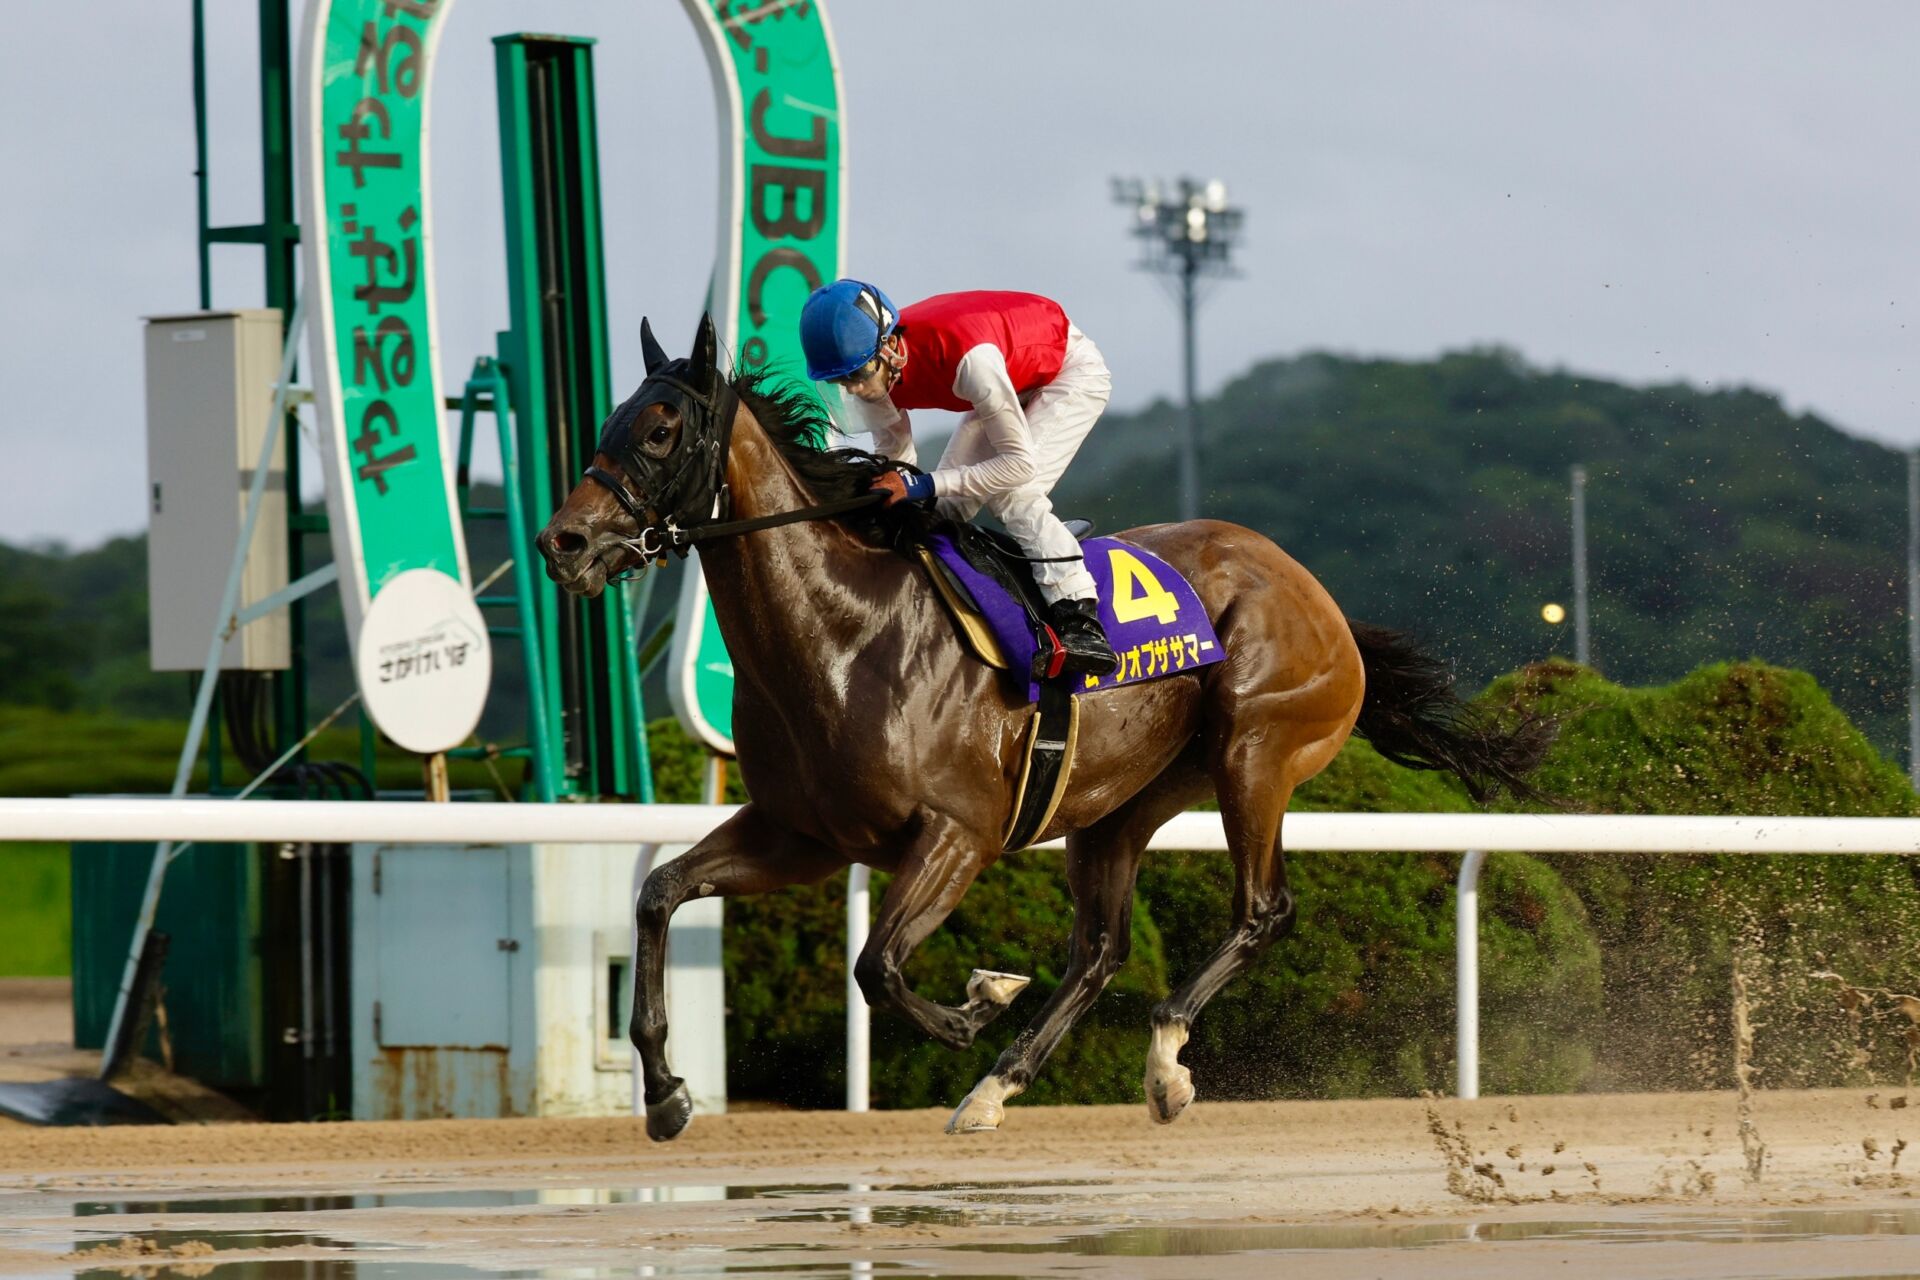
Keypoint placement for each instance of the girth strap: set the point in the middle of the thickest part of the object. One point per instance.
(1043, 775)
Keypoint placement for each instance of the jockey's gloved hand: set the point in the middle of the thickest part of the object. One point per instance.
(900, 487)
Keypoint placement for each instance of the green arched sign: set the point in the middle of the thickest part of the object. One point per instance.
(782, 235)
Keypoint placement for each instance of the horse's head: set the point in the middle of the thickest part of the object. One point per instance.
(660, 466)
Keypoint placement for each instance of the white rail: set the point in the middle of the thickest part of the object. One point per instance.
(341, 822)
(402, 822)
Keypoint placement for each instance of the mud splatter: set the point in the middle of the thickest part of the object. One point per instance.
(1868, 1012)
(1470, 1179)
(1695, 1180)
(1483, 1175)
(140, 1256)
(1752, 1148)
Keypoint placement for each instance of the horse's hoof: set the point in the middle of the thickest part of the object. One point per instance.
(667, 1117)
(979, 1112)
(1168, 1096)
(995, 987)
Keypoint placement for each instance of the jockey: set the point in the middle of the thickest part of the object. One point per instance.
(1031, 386)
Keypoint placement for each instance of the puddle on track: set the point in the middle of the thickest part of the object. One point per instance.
(1771, 1226)
(36, 1203)
(350, 1269)
(1082, 1220)
(465, 1198)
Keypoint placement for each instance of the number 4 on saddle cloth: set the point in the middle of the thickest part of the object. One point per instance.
(1153, 619)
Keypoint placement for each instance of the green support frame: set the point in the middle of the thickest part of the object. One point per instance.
(278, 237)
(487, 389)
(550, 388)
(555, 357)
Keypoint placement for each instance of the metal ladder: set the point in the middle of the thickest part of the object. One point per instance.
(486, 390)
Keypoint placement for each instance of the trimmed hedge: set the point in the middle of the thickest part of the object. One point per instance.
(1597, 972)
(1732, 738)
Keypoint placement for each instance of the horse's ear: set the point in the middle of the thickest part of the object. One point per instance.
(706, 345)
(650, 350)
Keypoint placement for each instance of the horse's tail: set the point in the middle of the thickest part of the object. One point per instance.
(1413, 717)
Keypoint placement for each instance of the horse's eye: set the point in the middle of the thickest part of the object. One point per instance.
(659, 436)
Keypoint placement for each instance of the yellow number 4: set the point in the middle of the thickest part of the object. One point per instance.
(1136, 592)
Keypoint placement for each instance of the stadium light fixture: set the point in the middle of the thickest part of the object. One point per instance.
(1188, 231)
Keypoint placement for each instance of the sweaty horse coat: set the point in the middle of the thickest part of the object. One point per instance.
(867, 733)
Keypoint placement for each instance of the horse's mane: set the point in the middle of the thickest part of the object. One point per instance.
(793, 419)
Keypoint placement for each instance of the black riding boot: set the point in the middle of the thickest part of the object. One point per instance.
(1077, 623)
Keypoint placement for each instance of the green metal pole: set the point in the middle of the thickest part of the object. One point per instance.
(280, 238)
(628, 611)
(488, 374)
(200, 146)
(369, 750)
(636, 618)
(215, 718)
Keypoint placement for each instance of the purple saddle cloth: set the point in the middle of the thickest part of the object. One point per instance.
(1153, 618)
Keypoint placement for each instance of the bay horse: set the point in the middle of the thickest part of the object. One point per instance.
(867, 733)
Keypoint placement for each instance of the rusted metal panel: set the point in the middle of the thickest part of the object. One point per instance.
(442, 982)
(490, 980)
(443, 977)
(432, 1083)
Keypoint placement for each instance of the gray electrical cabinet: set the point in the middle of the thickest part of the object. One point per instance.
(210, 377)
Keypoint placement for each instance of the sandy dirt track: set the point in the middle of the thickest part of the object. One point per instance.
(1592, 1185)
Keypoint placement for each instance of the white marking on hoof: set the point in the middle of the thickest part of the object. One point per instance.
(982, 1110)
(1169, 1085)
(995, 987)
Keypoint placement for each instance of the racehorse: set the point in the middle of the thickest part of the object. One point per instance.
(867, 733)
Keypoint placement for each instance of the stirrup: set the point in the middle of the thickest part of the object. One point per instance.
(1075, 662)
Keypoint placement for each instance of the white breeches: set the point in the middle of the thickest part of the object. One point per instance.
(1059, 415)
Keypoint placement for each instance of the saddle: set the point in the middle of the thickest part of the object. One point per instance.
(998, 558)
(1157, 623)
(1055, 730)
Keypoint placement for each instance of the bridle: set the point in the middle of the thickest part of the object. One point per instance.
(689, 485)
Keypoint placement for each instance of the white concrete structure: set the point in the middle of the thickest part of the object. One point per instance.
(491, 980)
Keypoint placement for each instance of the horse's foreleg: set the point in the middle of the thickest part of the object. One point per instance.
(744, 855)
(929, 883)
(1102, 864)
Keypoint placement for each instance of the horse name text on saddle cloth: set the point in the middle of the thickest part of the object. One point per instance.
(1153, 618)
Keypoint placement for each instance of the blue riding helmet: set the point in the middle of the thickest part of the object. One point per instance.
(842, 326)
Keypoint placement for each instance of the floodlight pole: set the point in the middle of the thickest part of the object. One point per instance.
(1582, 641)
(1913, 616)
(1186, 229)
(1190, 442)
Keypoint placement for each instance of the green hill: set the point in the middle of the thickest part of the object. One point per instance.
(73, 633)
(1434, 495)
(1425, 494)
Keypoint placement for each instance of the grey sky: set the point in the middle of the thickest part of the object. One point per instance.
(1721, 192)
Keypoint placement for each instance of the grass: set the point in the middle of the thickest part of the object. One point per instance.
(44, 752)
(36, 916)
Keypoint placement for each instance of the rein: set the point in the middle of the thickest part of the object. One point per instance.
(668, 536)
(695, 479)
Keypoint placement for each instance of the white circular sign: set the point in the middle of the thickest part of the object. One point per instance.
(424, 661)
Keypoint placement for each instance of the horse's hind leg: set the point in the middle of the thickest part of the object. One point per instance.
(1102, 863)
(1255, 771)
(928, 884)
